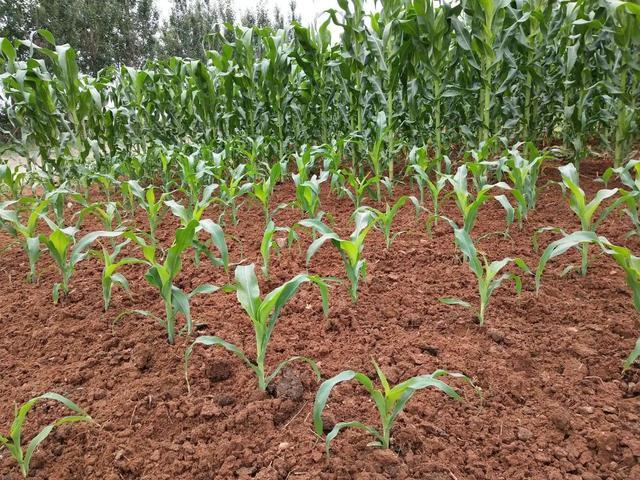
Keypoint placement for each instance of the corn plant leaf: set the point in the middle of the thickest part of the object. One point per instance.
(322, 395)
(560, 246)
(205, 288)
(14, 444)
(297, 358)
(79, 250)
(353, 424)
(217, 237)
(633, 356)
(454, 301)
(248, 291)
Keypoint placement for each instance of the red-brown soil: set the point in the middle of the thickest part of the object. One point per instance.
(555, 404)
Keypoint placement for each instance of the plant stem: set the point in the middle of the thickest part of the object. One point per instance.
(621, 128)
(437, 94)
(262, 381)
(171, 321)
(386, 434)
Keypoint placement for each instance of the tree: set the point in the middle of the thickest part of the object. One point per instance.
(293, 12)
(102, 31)
(278, 18)
(189, 23)
(15, 18)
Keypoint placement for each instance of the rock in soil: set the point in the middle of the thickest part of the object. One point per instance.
(287, 385)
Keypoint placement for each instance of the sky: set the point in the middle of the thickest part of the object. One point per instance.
(308, 9)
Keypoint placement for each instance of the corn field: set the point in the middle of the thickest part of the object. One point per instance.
(410, 75)
(462, 173)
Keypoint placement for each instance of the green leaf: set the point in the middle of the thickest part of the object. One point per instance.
(322, 396)
(79, 250)
(454, 301)
(205, 288)
(559, 247)
(248, 291)
(217, 237)
(633, 356)
(353, 424)
(297, 358)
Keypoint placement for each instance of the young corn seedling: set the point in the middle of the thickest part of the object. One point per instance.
(232, 190)
(585, 211)
(105, 182)
(629, 263)
(13, 441)
(195, 209)
(435, 190)
(385, 219)
(13, 180)
(376, 149)
(263, 190)
(358, 187)
(523, 175)
(58, 200)
(480, 165)
(194, 174)
(153, 206)
(421, 177)
(554, 249)
(308, 193)
(106, 212)
(350, 249)
(25, 233)
(390, 401)
(110, 275)
(629, 176)
(216, 234)
(338, 182)
(254, 150)
(67, 253)
(466, 203)
(268, 242)
(162, 276)
(263, 313)
(487, 274)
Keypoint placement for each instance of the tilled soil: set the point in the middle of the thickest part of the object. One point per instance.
(554, 403)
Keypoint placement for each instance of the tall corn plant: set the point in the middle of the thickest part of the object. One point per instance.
(427, 37)
(313, 54)
(484, 41)
(353, 64)
(625, 17)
